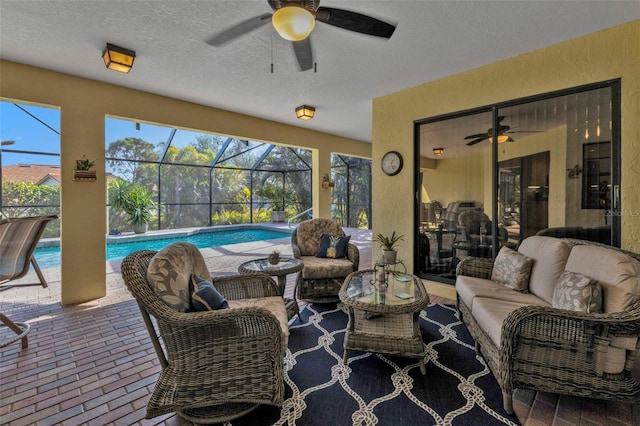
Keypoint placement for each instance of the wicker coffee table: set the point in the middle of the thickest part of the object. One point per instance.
(384, 318)
(286, 266)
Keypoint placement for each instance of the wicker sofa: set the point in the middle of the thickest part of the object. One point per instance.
(530, 344)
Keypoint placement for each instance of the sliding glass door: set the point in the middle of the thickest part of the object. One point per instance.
(490, 177)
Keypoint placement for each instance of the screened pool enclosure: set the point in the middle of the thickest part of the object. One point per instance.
(196, 179)
(190, 179)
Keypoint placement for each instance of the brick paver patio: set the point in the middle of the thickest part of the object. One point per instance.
(93, 363)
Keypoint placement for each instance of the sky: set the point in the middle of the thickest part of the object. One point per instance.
(36, 128)
(29, 134)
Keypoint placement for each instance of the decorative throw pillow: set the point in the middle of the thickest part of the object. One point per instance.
(512, 269)
(170, 271)
(333, 246)
(577, 292)
(205, 296)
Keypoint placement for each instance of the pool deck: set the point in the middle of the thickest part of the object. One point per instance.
(30, 301)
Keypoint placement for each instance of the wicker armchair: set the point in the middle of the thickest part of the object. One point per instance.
(559, 351)
(321, 278)
(216, 365)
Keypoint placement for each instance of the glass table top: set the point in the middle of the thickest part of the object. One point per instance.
(399, 288)
(263, 265)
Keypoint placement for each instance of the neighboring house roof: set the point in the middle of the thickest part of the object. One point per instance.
(35, 173)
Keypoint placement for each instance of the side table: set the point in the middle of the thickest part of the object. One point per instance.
(286, 266)
(383, 317)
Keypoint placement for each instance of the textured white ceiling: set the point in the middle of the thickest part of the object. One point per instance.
(433, 39)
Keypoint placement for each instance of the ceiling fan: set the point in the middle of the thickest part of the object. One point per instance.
(294, 21)
(502, 134)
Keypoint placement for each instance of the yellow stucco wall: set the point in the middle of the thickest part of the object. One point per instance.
(442, 185)
(84, 104)
(609, 54)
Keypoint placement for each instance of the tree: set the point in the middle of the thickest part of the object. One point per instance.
(126, 156)
(28, 199)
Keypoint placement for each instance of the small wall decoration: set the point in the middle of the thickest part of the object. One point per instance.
(327, 182)
(83, 171)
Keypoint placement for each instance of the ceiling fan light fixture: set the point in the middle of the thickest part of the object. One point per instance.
(305, 112)
(438, 151)
(293, 23)
(502, 139)
(118, 58)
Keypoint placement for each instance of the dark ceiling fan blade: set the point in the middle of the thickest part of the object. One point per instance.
(526, 131)
(473, 142)
(304, 53)
(237, 30)
(354, 21)
(477, 135)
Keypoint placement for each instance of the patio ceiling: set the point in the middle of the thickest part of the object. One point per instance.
(433, 39)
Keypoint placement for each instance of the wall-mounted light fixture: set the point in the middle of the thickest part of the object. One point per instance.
(293, 23)
(118, 58)
(438, 151)
(574, 172)
(502, 139)
(305, 112)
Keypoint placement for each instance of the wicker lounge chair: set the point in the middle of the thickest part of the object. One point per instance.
(321, 278)
(18, 239)
(216, 365)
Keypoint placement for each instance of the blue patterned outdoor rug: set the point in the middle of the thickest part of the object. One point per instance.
(375, 389)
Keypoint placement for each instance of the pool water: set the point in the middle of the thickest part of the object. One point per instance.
(49, 257)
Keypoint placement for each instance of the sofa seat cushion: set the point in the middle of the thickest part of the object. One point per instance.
(490, 314)
(550, 257)
(469, 288)
(321, 268)
(273, 304)
(170, 270)
(617, 273)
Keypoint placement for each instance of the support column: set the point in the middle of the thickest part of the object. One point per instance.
(83, 211)
(321, 197)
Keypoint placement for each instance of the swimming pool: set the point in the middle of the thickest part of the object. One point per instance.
(49, 257)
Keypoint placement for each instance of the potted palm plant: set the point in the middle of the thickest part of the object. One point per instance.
(274, 257)
(135, 200)
(274, 196)
(139, 208)
(389, 245)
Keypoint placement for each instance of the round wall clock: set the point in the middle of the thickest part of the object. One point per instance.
(391, 163)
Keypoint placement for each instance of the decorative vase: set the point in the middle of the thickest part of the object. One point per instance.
(274, 261)
(278, 216)
(140, 229)
(389, 256)
(85, 175)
